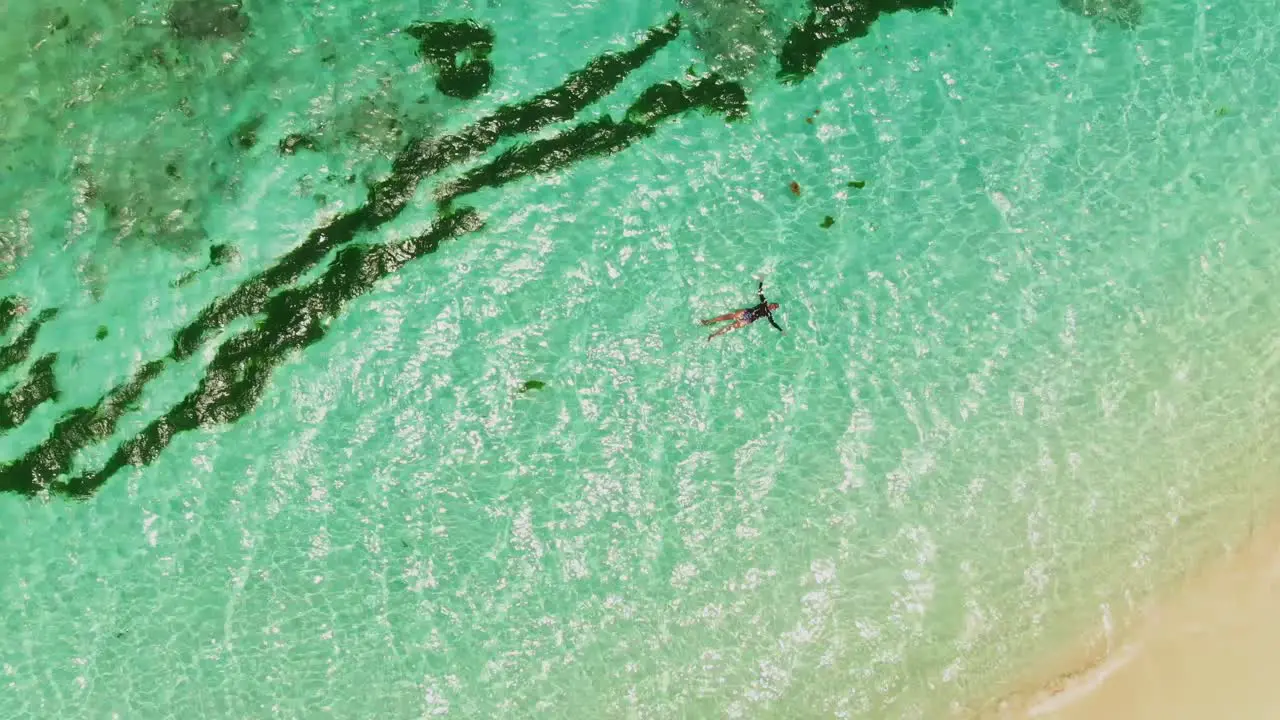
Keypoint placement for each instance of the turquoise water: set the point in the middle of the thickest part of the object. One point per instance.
(1027, 379)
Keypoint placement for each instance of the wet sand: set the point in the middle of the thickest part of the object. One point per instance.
(1210, 651)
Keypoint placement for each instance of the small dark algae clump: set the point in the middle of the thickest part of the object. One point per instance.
(207, 19)
(295, 142)
(832, 23)
(219, 255)
(460, 51)
(222, 254)
(857, 184)
(246, 135)
(184, 279)
(827, 222)
(532, 385)
(102, 332)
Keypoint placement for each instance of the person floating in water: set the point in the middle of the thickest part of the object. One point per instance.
(746, 316)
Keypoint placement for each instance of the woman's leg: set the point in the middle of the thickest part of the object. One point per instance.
(735, 315)
(739, 323)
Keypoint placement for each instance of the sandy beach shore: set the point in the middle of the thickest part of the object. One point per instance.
(1211, 650)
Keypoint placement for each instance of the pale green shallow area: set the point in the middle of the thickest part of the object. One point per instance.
(1027, 380)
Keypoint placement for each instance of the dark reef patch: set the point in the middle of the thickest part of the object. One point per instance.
(222, 253)
(15, 242)
(149, 199)
(422, 157)
(184, 279)
(207, 19)
(660, 102)
(17, 404)
(601, 137)
(831, 23)
(366, 130)
(372, 124)
(18, 350)
(10, 308)
(172, 222)
(734, 36)
(78, 429)
(153, 54)
(460, 52)
(294, 319)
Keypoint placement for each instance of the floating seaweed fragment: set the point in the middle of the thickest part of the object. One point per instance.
(532, 385)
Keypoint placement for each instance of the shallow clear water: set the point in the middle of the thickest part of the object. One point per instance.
(1027, 376)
